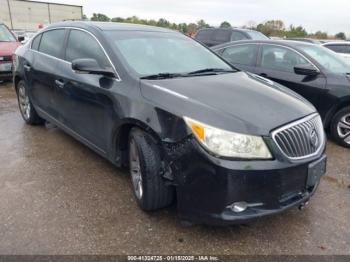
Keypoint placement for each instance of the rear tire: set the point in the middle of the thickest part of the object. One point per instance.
(29, 115)
(340, 127)
(149, 186)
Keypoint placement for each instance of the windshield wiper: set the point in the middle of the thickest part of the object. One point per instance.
(162, 76)
(211, 70)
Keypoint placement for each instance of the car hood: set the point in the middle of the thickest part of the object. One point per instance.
(238, 102)
(8, 48)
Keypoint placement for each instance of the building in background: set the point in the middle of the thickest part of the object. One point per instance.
(32, 15)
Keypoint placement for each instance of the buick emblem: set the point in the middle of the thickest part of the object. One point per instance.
(313, 138)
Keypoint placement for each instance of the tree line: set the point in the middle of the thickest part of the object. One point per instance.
(275, 28)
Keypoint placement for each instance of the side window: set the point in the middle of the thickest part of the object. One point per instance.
(83, 45)
(52, 42)
(222, 35)
(241, 54)
(204, 34)
(336, 48)
(236, 36)
(281, 59)
(36, 42)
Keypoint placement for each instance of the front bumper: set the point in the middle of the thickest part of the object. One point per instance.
(208, 186)
(5, 71)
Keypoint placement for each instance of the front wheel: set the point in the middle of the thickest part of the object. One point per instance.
(149, 186)
(26, 108)
(340, 127)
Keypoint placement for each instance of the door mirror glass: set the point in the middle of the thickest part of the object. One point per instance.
(306, 70)
(90, 66)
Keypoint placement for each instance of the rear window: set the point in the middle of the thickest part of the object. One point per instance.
(256, 35)
(236, 36)
(52, 42)
(345, 49)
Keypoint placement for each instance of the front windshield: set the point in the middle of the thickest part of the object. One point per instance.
(328, 59)
(257, 35)
(149, 53)
(5, 35)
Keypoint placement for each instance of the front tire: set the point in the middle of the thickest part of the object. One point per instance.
(340, 127)
(29, 115)
(149, 186)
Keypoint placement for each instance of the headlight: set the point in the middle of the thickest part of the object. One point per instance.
(229, 144)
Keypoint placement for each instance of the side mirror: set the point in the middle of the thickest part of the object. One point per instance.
(90, 66)
(306, 70)
(21, 38)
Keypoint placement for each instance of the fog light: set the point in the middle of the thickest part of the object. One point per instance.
(239, 207)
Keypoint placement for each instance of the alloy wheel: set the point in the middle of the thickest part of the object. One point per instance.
(24, 103)
(343, 128)
(135, 170)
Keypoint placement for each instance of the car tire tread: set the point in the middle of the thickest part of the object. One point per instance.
(156, 193)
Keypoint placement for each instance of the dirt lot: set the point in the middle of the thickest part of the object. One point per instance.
(59, 197)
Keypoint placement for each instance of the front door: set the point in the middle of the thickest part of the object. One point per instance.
(277, 63)
(85, 101)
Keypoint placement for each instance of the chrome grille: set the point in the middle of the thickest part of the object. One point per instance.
(301, 139)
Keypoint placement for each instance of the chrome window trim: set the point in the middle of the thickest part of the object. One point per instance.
(295, 123)
(80, 29)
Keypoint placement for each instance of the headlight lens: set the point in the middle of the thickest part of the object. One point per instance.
(229, 144)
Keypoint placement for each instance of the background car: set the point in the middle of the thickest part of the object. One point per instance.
(216, 36)
(8, 45)
(315, 72)
(342, 48)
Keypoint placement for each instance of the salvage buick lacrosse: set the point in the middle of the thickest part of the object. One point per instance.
(228, 145)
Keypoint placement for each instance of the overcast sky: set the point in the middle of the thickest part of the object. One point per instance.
(326, 15)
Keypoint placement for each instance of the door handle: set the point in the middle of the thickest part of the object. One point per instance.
(27, 67)
(59, 83)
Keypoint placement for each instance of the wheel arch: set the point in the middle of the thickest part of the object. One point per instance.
(121, 137)
(345, 102)
(16, 80)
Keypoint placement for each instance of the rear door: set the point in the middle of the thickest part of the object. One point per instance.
(85, 101)
(242, 56)
(277, 63)
(42, 72)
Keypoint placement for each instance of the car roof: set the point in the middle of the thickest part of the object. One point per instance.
(287, 43)
(337, 43)
(109, 26)
(226, 28)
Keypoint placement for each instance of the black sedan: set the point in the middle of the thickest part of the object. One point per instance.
(229, 145)
(313, 71)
